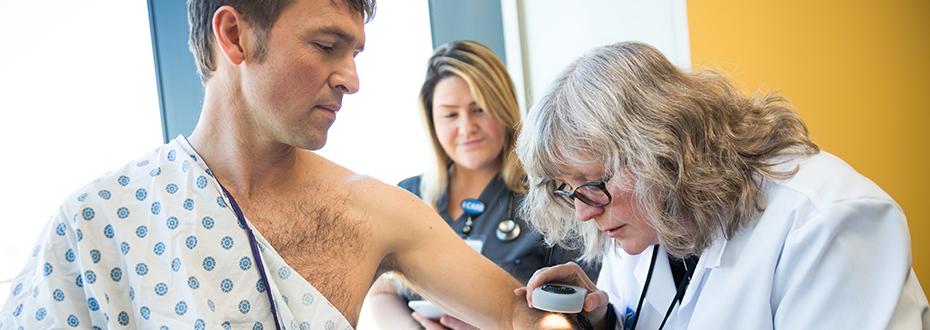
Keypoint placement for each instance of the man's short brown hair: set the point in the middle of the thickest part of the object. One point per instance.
(260, 13)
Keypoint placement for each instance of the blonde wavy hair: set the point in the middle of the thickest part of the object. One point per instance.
(494, 92)
(697, 147)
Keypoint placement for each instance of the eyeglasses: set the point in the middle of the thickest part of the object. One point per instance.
(591, 193)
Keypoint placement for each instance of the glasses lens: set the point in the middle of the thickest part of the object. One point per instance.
(592, 195)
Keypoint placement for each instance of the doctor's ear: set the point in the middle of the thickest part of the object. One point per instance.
(232, 35)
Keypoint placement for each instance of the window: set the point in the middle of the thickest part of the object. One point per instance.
(78, 98)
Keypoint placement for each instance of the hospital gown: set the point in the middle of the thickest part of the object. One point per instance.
(157, 244)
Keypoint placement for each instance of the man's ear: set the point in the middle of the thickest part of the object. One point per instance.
(228, 30)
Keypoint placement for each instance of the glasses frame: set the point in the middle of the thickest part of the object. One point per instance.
(569, 198)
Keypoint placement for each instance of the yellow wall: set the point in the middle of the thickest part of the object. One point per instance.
(858, 72)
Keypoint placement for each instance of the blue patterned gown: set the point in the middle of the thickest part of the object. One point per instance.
(156, 244)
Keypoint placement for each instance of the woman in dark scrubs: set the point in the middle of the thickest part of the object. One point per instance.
(476, 183)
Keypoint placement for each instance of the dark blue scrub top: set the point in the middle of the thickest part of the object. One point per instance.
(520, 257)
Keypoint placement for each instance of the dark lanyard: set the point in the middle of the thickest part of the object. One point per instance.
(678, 296)
(255, 253)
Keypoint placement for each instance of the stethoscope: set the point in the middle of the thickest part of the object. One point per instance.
(678, 296)
(507, 230)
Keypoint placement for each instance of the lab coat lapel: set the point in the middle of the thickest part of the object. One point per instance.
(710, 259)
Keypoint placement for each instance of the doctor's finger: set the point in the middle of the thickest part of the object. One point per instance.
(426, 323)
(455, 324)
(595, 300)
(567, 273)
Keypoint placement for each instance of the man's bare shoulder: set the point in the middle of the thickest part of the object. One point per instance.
(361, 188)
(389, 210)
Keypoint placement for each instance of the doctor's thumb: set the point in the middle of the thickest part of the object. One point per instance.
(595, 300)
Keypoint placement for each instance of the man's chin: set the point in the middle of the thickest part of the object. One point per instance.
(317, 139)
(316, 145)
(314, 139)
(312, 143)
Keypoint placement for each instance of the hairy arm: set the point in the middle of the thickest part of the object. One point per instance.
(421, 247)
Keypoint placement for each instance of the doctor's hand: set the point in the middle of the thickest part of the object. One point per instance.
(445, 322)
(595, 302)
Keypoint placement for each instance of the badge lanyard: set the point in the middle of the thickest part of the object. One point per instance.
(474, 208)
(678, 296)
(507, 230)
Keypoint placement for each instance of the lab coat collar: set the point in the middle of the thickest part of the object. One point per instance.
(713, 254)
(662, 286)
(710, 258)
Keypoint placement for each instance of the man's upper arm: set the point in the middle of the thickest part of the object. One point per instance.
(428, 253)
(49, 290)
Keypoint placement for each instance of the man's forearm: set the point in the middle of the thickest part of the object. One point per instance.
(389, 312)
(525, 317)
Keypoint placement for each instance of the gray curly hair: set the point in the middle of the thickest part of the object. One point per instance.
(697, 147)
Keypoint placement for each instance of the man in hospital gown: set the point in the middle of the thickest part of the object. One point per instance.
(240, 225)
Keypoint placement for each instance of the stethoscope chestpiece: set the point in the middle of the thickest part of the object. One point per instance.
(508, 230)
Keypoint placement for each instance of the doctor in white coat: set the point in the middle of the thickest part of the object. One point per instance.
(710, 209)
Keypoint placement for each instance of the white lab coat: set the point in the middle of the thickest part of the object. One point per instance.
(830, 251)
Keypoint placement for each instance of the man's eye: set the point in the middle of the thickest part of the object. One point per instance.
(325, 48)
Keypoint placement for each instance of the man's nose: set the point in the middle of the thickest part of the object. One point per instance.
(345, 79)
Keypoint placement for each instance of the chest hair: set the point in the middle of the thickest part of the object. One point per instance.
(322, 239)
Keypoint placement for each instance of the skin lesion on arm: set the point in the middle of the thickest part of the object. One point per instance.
(537, 319)
(555, 321)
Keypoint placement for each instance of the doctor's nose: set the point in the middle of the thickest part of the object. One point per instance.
(585, 212)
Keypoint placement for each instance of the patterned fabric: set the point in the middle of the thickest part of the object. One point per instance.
(156, 245)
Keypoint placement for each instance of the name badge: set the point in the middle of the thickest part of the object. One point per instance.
(476, 244)
(472, 206)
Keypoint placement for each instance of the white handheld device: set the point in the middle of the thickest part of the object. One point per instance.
(426, 308)
(559, 298)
